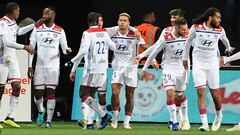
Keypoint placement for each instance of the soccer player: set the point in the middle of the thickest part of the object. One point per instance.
(206, 32)
(124, 69)
(47, 37)
(94, 47)
(87, 112)
(180, 98)
(9, 68)
(174, 74)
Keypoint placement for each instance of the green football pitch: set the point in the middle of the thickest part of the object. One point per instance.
(71, 128)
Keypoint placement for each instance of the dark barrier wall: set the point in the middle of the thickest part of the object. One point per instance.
(72, 17)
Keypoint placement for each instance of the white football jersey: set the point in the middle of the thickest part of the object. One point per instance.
(173, 51)
(8, 27)
(206, 52)
(126, 49)
(95, 44)
(48, 40)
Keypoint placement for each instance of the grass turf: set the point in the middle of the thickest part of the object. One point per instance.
(71, 128)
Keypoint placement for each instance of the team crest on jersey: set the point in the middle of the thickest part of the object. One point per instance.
(55, 35)
(129, 41)
(215, 36)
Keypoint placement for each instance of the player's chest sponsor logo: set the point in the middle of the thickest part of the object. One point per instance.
(122, 47)
(48, 40)
(207, 43)
(178, 52)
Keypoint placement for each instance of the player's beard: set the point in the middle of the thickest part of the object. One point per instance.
(47, 21)
(214, 24)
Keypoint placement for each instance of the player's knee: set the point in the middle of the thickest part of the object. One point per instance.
(16, 86)
(39, 94)
(50, 93)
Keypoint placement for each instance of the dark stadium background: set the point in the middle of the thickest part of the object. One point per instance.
(71, 15)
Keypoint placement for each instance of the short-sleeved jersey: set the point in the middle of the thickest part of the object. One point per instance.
(8, 27)
(126, 49)
(97, 42)
(48, 40)
(205, 52)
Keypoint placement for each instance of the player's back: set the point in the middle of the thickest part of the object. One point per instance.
(96, 60)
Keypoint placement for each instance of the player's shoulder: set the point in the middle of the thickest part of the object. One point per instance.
(57, 28)
(40, 27)
(131, 33)
(97, 29)
(168, 37)
(199, 26)
(167, 30)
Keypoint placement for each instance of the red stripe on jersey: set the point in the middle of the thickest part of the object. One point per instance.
(95, 30)
(131, 33)
(57, 28)
(41, 26)
(218, 29)
(168, 37)
(4, 19)
(200, 26)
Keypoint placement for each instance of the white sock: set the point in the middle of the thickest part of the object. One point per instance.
(91, 102)
(115, 113)
(39, 104)
(0, 103)
(204, 119)
(98, 116)
(90, 116)
(219, 113)
(12, 106)
(85, 110)
(184, 108)
(172, 112)
(50, 109)
(127, 119)
(179, 114)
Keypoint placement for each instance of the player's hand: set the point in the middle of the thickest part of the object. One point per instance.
(136, 60)
(29, 49)
(229, 51)
(30, 73)
(144, 75)
(69, 51)
(39, 22)
(72, 76)
(223, 63)
(185, 64)
(137, 34)
(155, 64)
